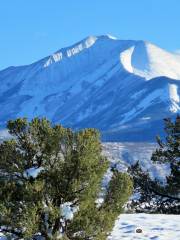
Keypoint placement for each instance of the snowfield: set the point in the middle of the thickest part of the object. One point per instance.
(154, 227)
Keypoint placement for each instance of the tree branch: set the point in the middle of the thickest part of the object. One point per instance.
(164, 195)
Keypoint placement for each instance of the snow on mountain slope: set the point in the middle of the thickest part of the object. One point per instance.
(148, 61)
(58, 56)
(118, 86)
(125, 154)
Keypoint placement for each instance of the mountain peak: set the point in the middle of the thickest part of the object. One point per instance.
(149, 61)
(107, 36)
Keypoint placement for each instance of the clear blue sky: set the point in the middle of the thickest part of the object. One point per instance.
(33, 29)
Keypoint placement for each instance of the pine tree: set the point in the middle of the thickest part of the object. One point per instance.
(50, 180)
(157, 196)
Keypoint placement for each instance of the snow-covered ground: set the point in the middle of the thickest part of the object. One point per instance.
(154, 227)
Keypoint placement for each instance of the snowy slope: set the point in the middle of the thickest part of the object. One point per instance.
(149, 61)
(118, 86)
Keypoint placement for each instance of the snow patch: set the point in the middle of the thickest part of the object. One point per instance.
(2, 237)
(90, 41)
(146, 118)
(174, 98)
(32, 172)
(173, 92)
(4, 134)
(152, 98)
(112, 37)
(125, 58)
(67, 211)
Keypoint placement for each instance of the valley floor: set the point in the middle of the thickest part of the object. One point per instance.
(154, 227)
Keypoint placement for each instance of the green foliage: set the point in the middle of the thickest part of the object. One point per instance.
(161, 197)
(71, 168)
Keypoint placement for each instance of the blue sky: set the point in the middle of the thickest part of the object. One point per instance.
(33, 29)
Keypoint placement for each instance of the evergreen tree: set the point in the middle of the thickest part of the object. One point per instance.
(157, 196)
(50, 180)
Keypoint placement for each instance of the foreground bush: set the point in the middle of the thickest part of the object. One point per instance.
(50, 180)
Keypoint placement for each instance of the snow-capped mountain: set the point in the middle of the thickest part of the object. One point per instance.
(123, 87)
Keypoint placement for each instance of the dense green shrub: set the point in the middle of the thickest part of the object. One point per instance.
(50, 180)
